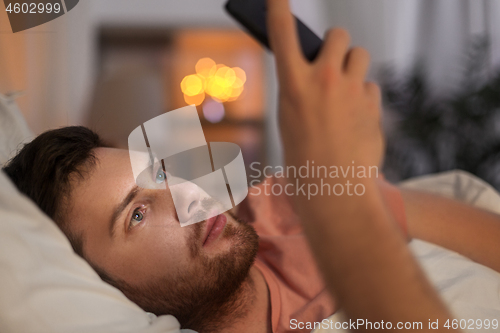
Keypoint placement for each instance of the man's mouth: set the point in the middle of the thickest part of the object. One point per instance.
(215, 226)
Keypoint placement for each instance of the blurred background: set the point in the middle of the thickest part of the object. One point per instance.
(114, 64)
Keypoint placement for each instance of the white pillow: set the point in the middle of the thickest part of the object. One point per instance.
(44, 285)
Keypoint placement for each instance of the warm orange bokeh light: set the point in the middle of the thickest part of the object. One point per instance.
(192, 85)
(196, 99)
(205, 67)
(223, 83)
(240, 74)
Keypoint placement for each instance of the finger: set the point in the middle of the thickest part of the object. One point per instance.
(374, 92)
(357, 62)
(283, 37)
(335, 47)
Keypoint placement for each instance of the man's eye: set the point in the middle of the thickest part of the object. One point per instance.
(160, 176)
(137, 218)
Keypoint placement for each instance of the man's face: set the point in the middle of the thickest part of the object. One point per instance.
(134, 235)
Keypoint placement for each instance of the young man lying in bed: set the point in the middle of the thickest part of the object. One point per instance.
(227, 282)
(252, 272)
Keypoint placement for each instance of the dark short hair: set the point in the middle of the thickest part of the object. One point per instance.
(46, 168)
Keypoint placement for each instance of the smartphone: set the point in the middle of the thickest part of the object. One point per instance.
(252, 15)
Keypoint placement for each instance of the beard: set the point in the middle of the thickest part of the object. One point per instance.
(214, 292)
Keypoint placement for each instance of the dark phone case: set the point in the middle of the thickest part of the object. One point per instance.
(252, 15)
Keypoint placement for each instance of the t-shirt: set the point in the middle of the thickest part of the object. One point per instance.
(296, 287)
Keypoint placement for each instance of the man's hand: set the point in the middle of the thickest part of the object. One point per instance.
(328, 112)
(330, 115)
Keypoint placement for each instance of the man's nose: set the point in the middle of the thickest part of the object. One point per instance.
(187, 200)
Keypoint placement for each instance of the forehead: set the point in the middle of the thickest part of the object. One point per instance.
(109, 180)
(117, 164)
(113, 165)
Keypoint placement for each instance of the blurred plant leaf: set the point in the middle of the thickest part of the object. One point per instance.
(431, 133)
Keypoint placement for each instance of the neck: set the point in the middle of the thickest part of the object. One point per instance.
(256, 310)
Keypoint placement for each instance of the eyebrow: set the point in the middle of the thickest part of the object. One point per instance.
(121, 207)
